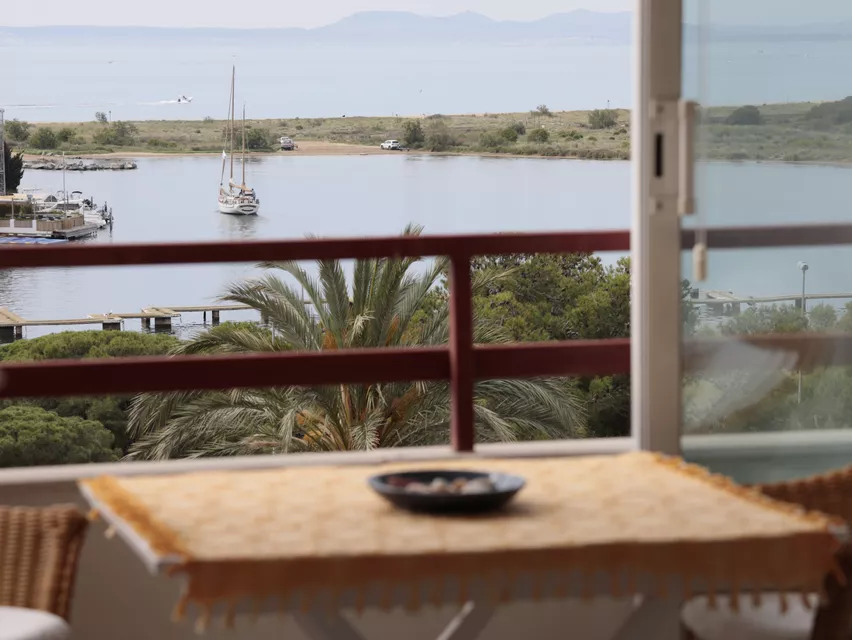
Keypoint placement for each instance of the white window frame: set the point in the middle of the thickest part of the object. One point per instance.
(655, 233)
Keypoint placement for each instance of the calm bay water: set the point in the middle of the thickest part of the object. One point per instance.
(59, 82)
(173, 199)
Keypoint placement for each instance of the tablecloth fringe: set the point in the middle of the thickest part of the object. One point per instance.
(497, 592)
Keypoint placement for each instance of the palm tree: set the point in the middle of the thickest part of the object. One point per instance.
(392, 303)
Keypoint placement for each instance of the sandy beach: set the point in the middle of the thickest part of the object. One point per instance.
(306, 148)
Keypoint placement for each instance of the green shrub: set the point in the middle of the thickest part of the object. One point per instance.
(66, 134)
(44, 138)
(509, 134)
(439, 137)
(745, 116)
(101, 117)
(257, 139)
(299, 127)
(163, 144)
(603, 118)
(538, 135)
(118, 133)
(31, 436)
(832, 113)
(543, 110)
(492, 141)
(412, 134)
(17, 131)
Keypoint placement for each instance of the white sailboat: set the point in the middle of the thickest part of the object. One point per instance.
(236, 199)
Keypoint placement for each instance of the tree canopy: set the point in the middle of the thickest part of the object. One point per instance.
(735, 400)
(387, 304)
(88, 344)
(565, 297)
(31, 436)
(14, 163)
(109, 411)
(412, 134)
(745, 115)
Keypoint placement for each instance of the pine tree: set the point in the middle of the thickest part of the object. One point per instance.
(14, 168)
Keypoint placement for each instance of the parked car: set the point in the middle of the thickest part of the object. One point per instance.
(391, 145)
(286, 143)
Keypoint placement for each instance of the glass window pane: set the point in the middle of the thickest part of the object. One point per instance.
(775, 136)
(748, 408)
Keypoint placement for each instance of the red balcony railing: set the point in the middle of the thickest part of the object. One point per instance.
(461, 362)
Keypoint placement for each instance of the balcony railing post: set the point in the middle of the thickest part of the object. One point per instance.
(461, 354)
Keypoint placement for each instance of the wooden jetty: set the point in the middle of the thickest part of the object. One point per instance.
(71, 227)
(12, 325)
(716, 301)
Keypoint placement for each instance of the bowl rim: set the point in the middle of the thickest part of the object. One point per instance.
(378, 481)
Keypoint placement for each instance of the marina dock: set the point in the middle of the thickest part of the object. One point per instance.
(12, 325)
(71, 227)
(721, 303)
(82, 231)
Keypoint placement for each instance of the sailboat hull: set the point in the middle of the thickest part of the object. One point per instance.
(239, 208)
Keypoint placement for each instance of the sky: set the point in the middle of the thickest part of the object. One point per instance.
(271, 13)
(297, 13)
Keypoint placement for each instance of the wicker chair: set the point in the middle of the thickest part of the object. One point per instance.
(830, 493)
(39, 550)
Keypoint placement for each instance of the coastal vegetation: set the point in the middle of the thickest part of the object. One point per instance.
(539, 132)
(404, 303)
(77, 415)
(31, 436)
(388, 303)
(794, 132)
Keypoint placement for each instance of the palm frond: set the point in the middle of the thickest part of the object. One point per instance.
(336, 296)
(283, 307)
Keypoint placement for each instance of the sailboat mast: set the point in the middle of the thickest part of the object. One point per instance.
(233, 78)
(244, 146)
(64, 189)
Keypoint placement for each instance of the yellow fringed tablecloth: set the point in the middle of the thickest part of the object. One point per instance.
(255, 534)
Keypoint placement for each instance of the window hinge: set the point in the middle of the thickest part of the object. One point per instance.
(687, 112)
(699, 262)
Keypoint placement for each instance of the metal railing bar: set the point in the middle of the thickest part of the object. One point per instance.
(55, 378)
(776, 236)
(312, 249)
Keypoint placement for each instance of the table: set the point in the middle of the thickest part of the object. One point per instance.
(314, 540)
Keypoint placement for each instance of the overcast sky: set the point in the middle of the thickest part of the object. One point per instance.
(299, 13)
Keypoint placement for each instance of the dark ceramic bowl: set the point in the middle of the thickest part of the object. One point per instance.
(391, 487)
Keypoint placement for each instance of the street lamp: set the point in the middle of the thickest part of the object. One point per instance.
(803, 267)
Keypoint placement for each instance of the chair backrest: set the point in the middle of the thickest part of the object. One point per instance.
(39, 551)
(829, 493)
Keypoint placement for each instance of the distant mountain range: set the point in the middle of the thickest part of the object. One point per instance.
(396, 27)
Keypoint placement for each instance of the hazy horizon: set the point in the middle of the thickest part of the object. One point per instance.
(262, 14)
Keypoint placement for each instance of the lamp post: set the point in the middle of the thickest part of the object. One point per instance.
(803, 267)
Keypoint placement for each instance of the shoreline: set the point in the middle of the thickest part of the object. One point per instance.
(307, 149)
(797, 133)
